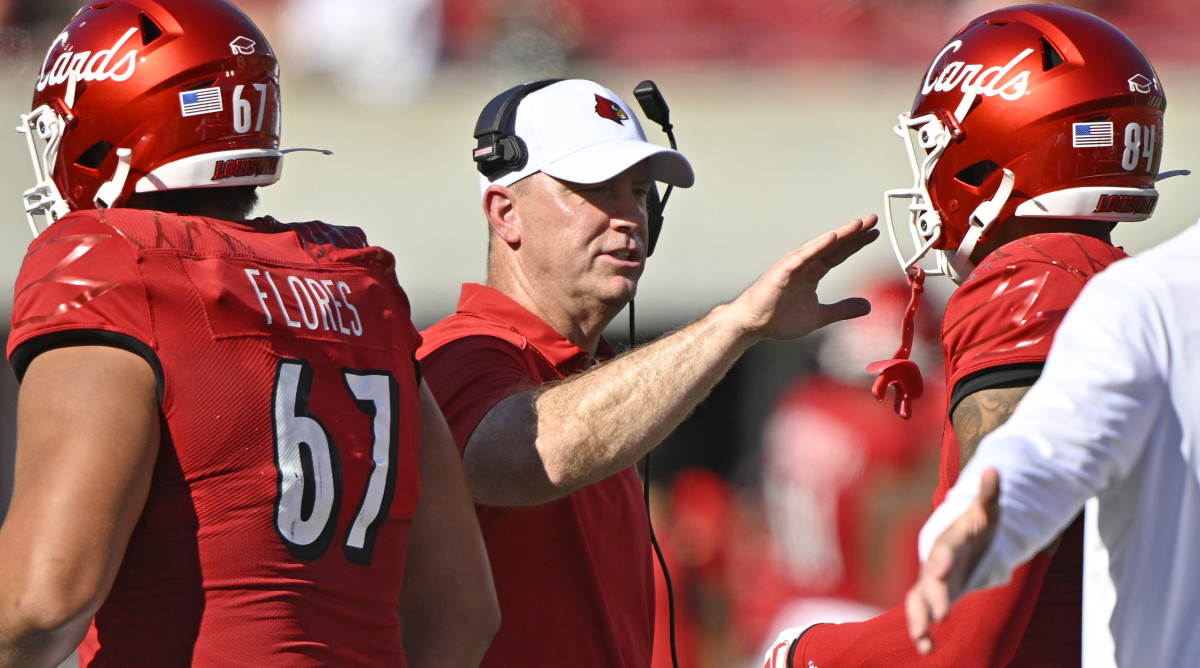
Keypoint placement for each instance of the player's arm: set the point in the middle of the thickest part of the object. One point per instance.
(87, 439)
(981, 630)
(533, 447)
(979, 634)
(980, 413)
(448, 607)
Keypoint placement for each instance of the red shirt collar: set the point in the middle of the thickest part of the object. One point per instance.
(490, 304)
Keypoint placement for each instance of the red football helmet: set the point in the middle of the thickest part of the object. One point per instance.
(1039, 111)
(146, 95)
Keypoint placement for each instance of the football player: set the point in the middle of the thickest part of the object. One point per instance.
(1034, 130)
(226, 454)
(1127, 448)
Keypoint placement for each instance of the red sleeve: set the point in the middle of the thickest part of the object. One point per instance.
(1009, 308)
(79, 278)
(469, 376)
(984, 630)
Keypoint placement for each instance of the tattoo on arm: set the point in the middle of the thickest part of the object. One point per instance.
(980, 413)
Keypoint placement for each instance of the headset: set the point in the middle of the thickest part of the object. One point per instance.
(499, 153)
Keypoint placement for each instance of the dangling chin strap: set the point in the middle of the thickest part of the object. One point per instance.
(108, 193)
(981, 219)
(901, 372)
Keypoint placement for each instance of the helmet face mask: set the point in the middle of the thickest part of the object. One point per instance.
(1038, 111)
(925, 138)
(43, 128)
(149, 95)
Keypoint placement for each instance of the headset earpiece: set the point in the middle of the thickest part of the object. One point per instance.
(509, 154)
(498, 152)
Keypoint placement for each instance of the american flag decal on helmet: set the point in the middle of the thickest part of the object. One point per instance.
(203, 101)
(1091, 134)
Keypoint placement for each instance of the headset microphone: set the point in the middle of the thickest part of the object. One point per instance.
(655, 108)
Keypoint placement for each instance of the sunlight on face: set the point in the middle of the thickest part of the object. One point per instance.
(585, 243)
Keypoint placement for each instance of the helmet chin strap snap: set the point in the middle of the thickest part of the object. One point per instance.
(981, 220)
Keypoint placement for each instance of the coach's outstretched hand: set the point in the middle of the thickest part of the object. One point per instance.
(951, 559)
(783, 303)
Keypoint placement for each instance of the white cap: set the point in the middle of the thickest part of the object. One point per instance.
(579, 131)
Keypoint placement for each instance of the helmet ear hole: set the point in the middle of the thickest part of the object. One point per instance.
(94, 156)
(977, 173)
(1051, 58)
(150, 29)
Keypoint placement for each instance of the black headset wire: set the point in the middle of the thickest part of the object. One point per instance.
(655, 108)
(662, 561)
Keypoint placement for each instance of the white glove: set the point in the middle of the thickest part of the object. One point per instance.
(779, 654)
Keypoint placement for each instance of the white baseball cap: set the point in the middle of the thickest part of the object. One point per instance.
(579, 131)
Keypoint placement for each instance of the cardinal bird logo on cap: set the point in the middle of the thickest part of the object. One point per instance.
(606, 108)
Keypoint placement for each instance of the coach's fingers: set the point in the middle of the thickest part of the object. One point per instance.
(951, 558)
(851, 238)
(852, 307)
(826, 251)
(989, 496)
(929, 599)
(916, 609)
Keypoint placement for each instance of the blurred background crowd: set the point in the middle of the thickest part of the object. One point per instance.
(394, 47)
(791, 496)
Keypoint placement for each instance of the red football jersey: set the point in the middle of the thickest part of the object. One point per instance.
(1006, 313)
(277, 522)
(1005, 316)
(998, 325)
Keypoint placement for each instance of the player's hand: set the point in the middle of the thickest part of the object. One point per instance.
(951, 559)
(778, 654)
(783, 303)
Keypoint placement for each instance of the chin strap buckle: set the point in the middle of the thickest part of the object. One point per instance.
(901, 372)
(108, 193)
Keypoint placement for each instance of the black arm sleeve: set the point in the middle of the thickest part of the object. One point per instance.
(1010, 375)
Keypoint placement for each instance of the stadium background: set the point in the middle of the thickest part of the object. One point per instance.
(784, 107)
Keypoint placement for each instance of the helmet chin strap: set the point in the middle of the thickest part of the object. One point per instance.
(981, 220)
(108, 193)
